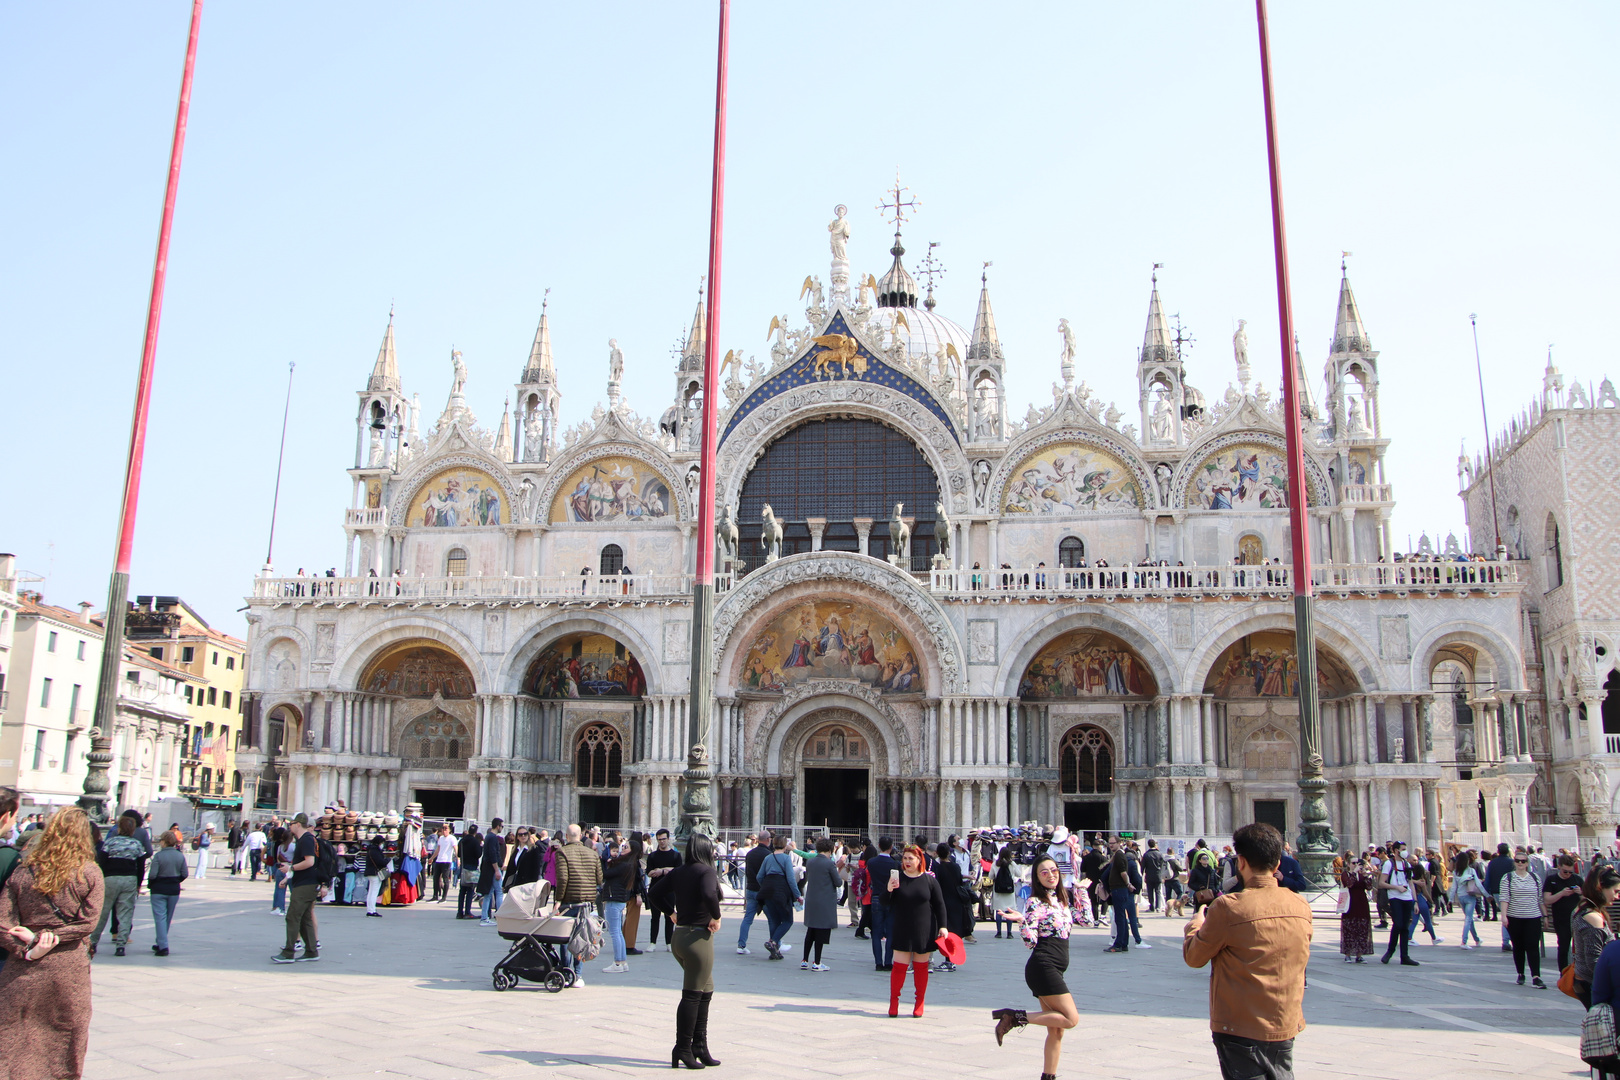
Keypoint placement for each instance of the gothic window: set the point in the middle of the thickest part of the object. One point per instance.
(1087, 761)
(1071, 549)
(612, 560)
(455, 564)
(1555, 555)
(839, 470)
(435, 737)
(598, 754)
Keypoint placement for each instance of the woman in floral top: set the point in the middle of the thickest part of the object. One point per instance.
(1045, 923)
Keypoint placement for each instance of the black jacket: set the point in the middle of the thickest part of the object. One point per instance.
(879, 868)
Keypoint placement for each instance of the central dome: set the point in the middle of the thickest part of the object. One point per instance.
(929, 333)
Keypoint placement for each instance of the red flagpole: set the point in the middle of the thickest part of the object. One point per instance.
(711, 326)
(95, 784)
(1316, 843)
(696, 804)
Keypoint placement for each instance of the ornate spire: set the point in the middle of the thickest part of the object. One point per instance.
(503, 434)
(1349, 335)
(539, 368)
(1158, 346)
(897, 288)
(985, 346)
(385, 373)
(692, 352)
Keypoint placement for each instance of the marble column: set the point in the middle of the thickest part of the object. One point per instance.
(1178, 807)
(1431, 815)
(1415, 833)
(1381, 820)
(1197, 800)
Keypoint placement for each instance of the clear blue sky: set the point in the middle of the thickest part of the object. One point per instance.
(457, 160)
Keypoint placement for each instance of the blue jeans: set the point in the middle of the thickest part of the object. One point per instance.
(1125, 924)
(493, 896)
(278, 902)
(882, 931)
(750, 909)
(1469, 903)
(614, 912)
(780, 927)
(1420, 911)
(162, 915)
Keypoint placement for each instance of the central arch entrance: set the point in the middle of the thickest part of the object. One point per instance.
(837, 764)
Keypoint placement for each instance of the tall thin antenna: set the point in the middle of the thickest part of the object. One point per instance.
(1490, 469)
(281, 456)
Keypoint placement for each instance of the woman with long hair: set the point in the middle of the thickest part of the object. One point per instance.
(619, 882)
(692, 892)
(1592, 929)
(1355, 923)
(1471, 893)
(1003, 884)
(1045, 922)
(281, 860)
(48, 908)
(917, 918)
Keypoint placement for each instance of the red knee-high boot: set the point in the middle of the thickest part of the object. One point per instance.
(897, 982)
(919, 980)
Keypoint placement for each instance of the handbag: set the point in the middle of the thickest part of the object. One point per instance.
(1566, 981)
(469, 876)
(1598, 1043)
(1343, 903)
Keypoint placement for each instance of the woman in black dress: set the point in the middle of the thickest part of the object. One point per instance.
(917, 914)
(1045, 923)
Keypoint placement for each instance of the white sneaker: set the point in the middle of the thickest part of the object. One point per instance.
(1143, 945)
(579, 980)
(486, 922)
(819, 967)
(784, 948)
(804, 965)
(745, 951)
(616, 968)
(1439, 941)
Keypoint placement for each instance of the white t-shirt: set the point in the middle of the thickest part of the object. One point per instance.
(444, 849)
(255, 840)
(1398, 875)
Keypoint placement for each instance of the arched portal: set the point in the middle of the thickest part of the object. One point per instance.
(837, 762)
(418, 708)
(839, 476)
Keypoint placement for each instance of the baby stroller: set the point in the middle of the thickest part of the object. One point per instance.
(539, 951)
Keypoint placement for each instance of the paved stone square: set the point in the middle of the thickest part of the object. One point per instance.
(409, 995)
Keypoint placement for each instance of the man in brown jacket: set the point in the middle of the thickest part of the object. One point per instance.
(579, 879)
(1259, 938)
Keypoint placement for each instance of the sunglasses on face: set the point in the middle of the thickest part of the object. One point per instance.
(1521, 861)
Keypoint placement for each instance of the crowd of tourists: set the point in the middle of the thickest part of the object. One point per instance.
(65, 881)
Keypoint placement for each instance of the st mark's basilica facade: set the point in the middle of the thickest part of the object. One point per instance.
(973, 616)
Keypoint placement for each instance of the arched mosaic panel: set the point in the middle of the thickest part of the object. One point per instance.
(1083, 664)
(1070, 478)
(417, 669)
(457, 498)
(585, 666)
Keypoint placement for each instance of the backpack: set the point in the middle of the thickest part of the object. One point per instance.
(585, 940)
(326, 861)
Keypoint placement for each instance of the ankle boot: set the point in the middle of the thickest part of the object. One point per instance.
(700, 1032)
(897, 982)
(919, 979)
(685, 1023)
(1007, 1020)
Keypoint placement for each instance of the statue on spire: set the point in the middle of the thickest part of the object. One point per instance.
(615, 372)
(1240, 353)
(838, 230)
(1066, 357)
(458, 380)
